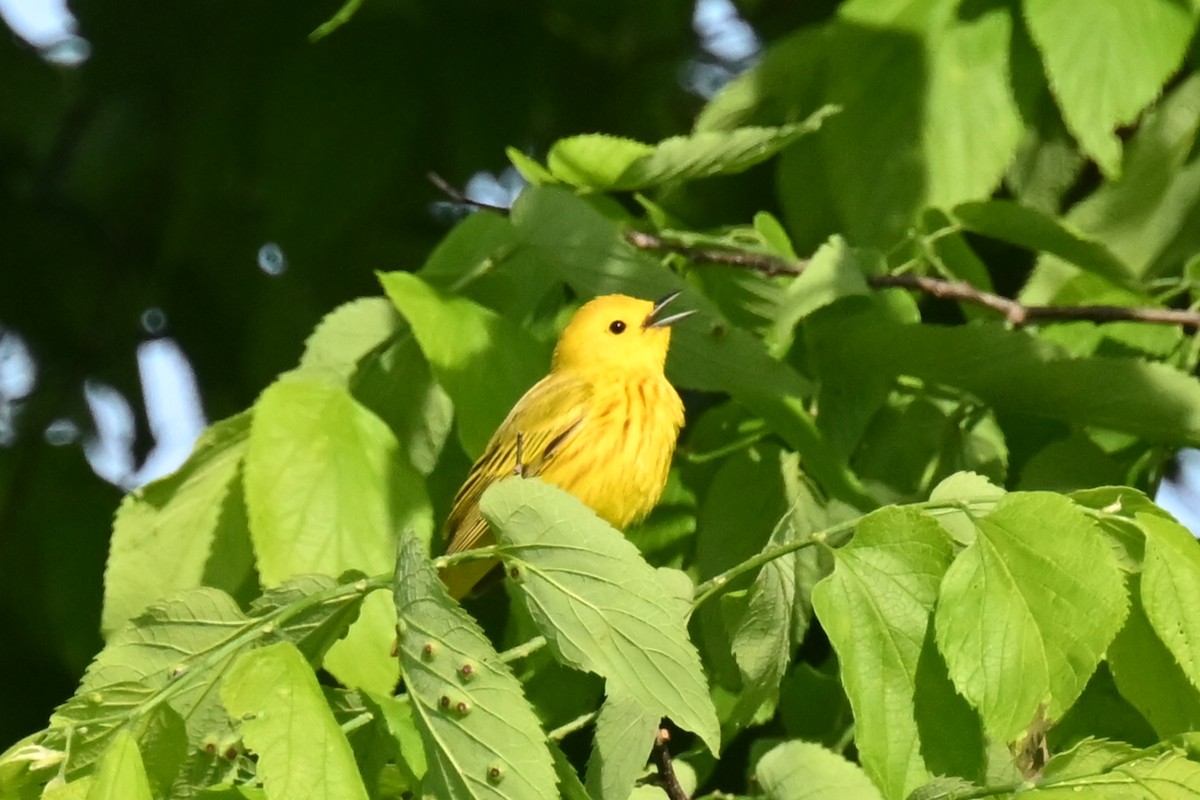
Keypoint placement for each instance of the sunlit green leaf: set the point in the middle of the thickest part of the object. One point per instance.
(964, 486)
(469, 347)
(1028, 609)
(876, 608)
(1171, 589)
(327, 490)
(1040, 232)
(1105, 72)
(165, 533)
(805, 771)
(1111, 771)
(120, 775)
(1021, 374)
(601, 606)
(348, 333)
(609, 162)
(301, 752)
(1149, 676)
(482, 739)
(625, 731)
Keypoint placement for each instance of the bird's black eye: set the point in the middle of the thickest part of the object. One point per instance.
(617, 326)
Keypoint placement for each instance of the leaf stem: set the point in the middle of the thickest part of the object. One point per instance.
(522, 650)
(474, 554)
(846, 739)
(733, 447)
(579, 723)
(834, 536)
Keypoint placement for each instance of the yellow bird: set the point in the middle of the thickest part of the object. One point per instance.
(602, 425)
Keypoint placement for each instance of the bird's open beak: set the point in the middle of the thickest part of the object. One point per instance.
(655, 319)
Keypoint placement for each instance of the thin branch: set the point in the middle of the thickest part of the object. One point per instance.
(765, 263)
(667, 778)
(448, 189)
(1015, 312)
(1020, 314)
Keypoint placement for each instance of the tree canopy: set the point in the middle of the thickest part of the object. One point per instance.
(943, 255)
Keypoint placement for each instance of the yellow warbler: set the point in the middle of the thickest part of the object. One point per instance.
(602, 425)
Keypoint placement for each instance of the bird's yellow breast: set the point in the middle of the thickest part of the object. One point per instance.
(618, 463)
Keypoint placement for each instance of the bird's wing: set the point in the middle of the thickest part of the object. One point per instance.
(549, 414)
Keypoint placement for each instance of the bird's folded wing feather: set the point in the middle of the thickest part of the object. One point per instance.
(548, 415)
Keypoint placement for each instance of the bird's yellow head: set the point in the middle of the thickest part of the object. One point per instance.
(617, 332)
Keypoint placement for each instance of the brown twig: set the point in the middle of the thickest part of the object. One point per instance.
(1015, 312)
(666, 768)
(448, 189)
(759, 262)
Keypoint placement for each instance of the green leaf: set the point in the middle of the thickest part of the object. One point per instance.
(707, 353)
(600, 605)
(1102, 712)
(397, 716)
(56, 790)
(397, 385)
(778, 605)
(163, 740)
(177, 652)
(482, 739)
(121, 775)
(484, 361)
(762, 643)
(1170, 776)
(805, 771)
(569, 785)
(1148, 675)
(313, 629)
(835, 271)
(781, 87)
(964, 486)
(625, 732)
(951, 733)
(530, 170)
(875, 607)
(26, 766)
(922, 434)
(327, 489)
(1027, 610)
(614, 164)
(929, 119)
(1020, 374)
(165, 533)
(812, 704)
(1105, 72)
(596, 159)
(158, 647)
(972, 125)
(483, 259)
(774, 235)
(747, 495)
(301, 752)
(943, 789)
(1070, 463)
(348, 333)
(1143, 218)
(231, 792)
(1171, 589)
(1039, 232)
